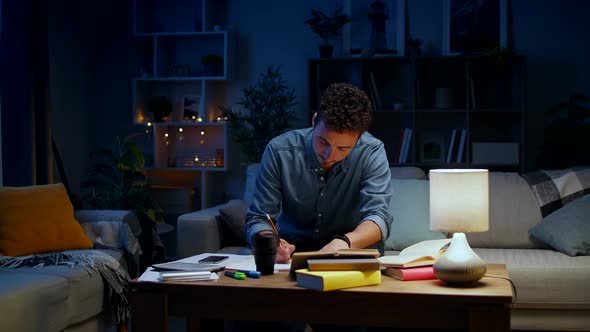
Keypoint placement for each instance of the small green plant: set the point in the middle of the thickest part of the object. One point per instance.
(160, 107)
(115, 181)
(269, 113)
(567, 133)
(502, 56)
(212, 59)
(325, 26)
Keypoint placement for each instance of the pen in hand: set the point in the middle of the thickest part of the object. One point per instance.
(272, 224)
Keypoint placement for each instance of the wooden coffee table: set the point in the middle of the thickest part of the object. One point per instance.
(430, 304)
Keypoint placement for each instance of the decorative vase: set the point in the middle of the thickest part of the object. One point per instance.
(326, 51)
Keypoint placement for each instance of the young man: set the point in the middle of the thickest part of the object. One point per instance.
(327, 186)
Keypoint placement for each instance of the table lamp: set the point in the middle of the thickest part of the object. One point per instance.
(459, 202)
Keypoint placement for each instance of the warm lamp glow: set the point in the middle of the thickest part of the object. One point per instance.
(459, 202)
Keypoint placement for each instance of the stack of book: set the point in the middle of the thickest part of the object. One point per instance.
(187, 276)
(414, 262)
(338, 270)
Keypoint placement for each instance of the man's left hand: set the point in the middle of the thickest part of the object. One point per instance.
(335, 244)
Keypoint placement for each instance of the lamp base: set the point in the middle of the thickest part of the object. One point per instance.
(459, 264)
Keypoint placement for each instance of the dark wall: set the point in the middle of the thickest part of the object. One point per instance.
(92, 58)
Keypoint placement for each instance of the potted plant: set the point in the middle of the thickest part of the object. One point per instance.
(160, 107)
(327, 27)
(115, 181)
(213, 64)
(268, 113)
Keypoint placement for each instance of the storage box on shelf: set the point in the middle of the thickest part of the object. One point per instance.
(182, 70)
(432, 111)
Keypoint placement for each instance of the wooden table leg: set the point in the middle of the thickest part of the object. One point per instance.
(149, 312)
(489, 319)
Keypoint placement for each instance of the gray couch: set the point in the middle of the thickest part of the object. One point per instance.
(553, 289)
(61, 298)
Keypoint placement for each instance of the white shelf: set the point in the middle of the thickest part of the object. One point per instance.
(173, 38)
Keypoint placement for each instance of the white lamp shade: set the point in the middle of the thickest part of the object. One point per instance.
(459, 200)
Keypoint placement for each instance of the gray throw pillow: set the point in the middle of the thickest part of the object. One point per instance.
(410, 208)
(234, 222)
(567, 229)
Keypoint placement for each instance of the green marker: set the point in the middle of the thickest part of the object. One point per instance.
(235, 275)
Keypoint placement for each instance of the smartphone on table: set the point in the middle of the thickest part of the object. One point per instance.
(213, 259)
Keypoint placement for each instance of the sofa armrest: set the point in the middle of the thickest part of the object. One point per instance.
(125, 216)
(114, 229)
(200, 231)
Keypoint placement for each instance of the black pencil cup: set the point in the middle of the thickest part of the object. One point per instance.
(265, 252)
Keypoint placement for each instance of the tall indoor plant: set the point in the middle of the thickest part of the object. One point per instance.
(327, 27)
(115, 181)
(267, 113)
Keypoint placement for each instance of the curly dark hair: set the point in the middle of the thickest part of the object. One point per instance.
(345, 107)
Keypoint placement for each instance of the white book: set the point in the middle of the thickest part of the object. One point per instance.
(451, 144)
(461, 145)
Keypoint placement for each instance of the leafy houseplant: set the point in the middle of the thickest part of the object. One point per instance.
(160, 107)
(567, 134)
(327, 27)
(115, 181)
(268, 106)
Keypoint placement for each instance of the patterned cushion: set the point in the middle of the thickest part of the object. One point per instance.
(556, 188)
(234, 222)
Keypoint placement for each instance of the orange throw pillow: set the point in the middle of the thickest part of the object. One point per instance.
(38, 219)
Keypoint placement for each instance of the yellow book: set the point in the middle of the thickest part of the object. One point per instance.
(330, 280)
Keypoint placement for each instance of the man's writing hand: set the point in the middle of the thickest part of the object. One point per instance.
(284, 251)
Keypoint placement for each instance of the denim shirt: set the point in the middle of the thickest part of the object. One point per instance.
(311, 205)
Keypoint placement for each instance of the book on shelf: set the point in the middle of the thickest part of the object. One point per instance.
(186, 276)
(411, 273)
(343, 264)
(407, 140)
(420, 254)
(330, 280)
(406, 137)
(399, 145)
(373, 88)
(461, 145)
(299, 259)
(452, 145)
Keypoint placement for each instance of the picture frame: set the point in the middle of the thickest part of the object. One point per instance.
(191, 106)
(358, 38)
(432, 149)
(473, 26)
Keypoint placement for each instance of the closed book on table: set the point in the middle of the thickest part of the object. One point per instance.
(343, 264)
(299, 259)
(412, 273)
(185, 276)
(330, 280)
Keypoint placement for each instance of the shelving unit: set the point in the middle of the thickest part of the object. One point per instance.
(434, 96)
(190, 145)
